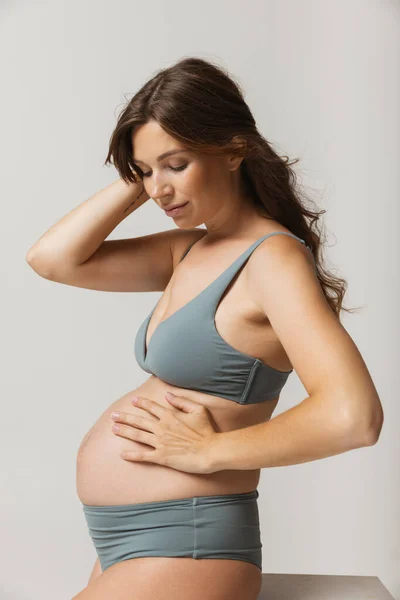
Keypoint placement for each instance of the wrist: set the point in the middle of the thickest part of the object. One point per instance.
(214, 454)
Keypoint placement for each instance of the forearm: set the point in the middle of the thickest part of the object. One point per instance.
(308, 431)
(77, 235)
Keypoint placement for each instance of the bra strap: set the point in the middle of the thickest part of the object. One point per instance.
(217, 288)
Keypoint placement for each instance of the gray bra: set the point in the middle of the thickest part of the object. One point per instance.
(187, 351)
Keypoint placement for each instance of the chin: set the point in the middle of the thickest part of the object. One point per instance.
(188, 224)
(185, 225)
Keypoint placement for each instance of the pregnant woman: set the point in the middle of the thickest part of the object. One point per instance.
(171, 498)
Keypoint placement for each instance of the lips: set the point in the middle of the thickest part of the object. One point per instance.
(174, 206)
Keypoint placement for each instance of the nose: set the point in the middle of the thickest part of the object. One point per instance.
(158, 188)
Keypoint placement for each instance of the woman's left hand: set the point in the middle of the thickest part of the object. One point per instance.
(182, 436)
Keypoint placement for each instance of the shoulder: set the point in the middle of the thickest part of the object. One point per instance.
(278, 251)
(182, 239)
(281, 262)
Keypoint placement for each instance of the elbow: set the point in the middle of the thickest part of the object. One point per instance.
(374, 432)
(367, 431)
(29, 257)
(40, 266)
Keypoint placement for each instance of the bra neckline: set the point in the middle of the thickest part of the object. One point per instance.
(146, 347)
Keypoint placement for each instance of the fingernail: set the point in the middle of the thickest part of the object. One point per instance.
(115, 415)
(169, 395)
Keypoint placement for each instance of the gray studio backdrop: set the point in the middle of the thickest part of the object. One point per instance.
(322, 79)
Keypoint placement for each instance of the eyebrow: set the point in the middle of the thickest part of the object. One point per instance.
(162, 156)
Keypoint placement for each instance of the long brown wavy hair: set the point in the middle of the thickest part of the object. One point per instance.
(201, 105)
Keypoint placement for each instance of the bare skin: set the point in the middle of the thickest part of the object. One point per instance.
(272, 309)
(162, 578)
(124, 477)
(96, 571)
(216, 198)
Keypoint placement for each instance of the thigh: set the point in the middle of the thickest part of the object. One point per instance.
(96, 571)
(164, 578)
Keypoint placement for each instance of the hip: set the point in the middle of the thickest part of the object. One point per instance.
(214, 526)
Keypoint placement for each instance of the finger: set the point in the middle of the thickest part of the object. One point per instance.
(131, 455)
(151, 407)
(140, 412)
(136, 435)
(123, 417)
(143, 413)
(184, 404)
(136, 421)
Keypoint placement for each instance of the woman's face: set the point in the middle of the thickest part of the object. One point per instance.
(206, 183)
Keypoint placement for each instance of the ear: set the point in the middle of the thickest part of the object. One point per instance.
(235, 161)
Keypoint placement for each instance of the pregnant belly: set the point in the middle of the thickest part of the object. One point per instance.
(103, 477)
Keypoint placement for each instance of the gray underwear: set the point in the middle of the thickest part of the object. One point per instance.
(225, 526)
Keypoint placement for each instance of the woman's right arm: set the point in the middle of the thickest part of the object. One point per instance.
(74, 251)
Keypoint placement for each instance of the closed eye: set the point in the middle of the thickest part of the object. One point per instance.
(181, 168)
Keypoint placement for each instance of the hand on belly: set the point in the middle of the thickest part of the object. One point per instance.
(103, 477)
(181, 436)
